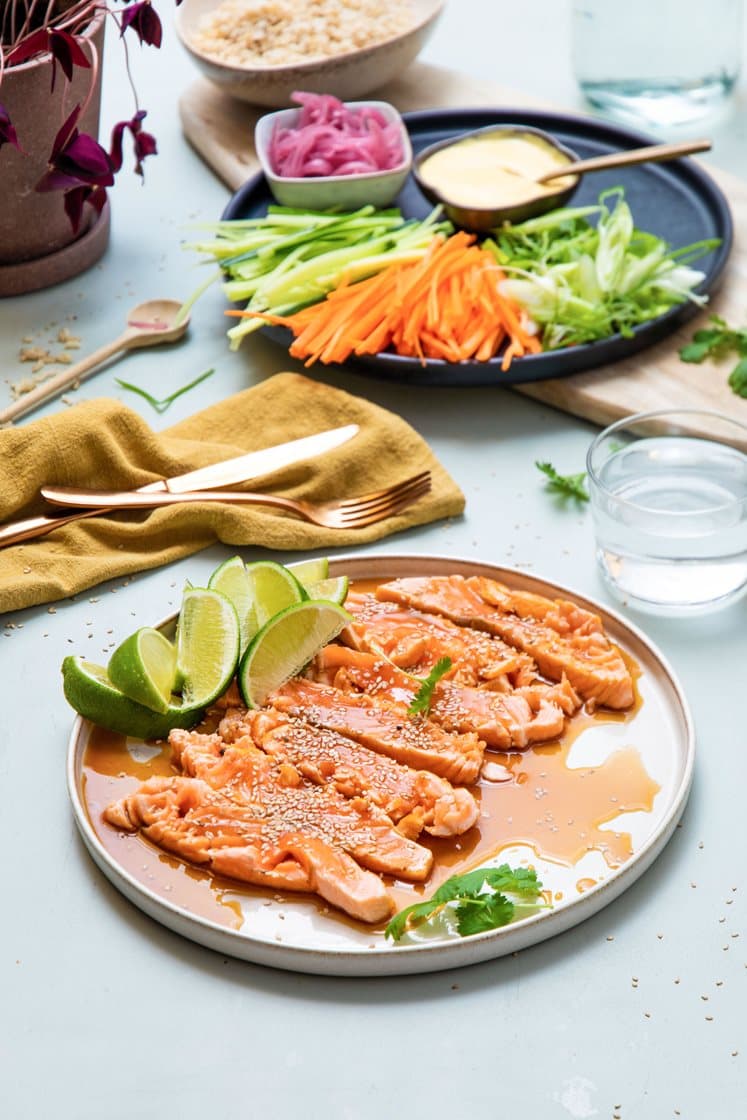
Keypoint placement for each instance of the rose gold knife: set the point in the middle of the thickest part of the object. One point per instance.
(243, 468)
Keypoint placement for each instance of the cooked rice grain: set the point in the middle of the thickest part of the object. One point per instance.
(288, 32)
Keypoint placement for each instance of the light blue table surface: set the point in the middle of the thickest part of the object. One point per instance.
(104, 1013)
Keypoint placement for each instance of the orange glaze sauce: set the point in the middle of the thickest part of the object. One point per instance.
(535, 799)
(109, 773)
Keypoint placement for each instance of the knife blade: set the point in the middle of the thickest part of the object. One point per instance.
(249, 467)
(229, 472)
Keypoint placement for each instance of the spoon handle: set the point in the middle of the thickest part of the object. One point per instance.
(63, 380)
(656, 153)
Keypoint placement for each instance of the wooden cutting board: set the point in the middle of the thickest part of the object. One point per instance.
(221, 130)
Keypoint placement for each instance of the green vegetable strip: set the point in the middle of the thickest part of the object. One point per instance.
(162, 405)
(582, 282)
(291, 258)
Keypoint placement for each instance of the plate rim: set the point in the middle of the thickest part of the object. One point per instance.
(583, 356)
(433, 956)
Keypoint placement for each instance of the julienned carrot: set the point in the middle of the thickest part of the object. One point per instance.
(447, 305)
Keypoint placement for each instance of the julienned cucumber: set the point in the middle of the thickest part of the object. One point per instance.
(291, 258)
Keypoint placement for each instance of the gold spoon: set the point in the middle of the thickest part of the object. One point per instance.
(148, 324)
(654, 153)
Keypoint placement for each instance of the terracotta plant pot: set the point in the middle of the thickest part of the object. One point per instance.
(37, 243)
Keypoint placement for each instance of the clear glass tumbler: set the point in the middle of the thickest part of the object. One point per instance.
(662, 63)
(669, 501)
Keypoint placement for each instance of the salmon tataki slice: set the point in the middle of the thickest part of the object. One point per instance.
(197, 823)
(385, 727)
(412, 799)
(503, 721)
(415, 641)
(563, 638)
(277, 793)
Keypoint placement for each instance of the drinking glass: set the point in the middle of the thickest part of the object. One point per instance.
(662, 63)
(669, 501)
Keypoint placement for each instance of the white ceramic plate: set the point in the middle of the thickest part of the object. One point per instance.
(296, 934)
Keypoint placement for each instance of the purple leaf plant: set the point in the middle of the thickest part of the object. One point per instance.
(78, 165)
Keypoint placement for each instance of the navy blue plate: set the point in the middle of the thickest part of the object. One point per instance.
(677, 201)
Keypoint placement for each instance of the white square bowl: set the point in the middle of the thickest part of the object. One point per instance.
(339, 192)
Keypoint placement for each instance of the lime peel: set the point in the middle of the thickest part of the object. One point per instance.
(89, 691)
(335, 590)
(286, 643)
(274, 588)
(232, 580)
(207, 645)
(309, 572)
(143, 667)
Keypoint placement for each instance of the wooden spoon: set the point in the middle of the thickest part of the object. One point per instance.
(654, 153)
(148, 324)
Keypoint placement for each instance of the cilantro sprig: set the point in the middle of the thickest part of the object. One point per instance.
(421, 702)
(569, 485)
(162, 405)
(717, 342)
(478, 901)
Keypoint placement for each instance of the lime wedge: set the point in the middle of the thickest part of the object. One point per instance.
(90, 692)
(285, 644)
(335, 589)
(207, 643)
(232, 580)
(308, 572)
(143, 667)
(274, 588)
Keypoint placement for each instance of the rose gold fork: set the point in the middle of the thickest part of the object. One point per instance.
(350, 513)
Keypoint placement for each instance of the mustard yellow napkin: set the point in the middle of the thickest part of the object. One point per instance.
(102, 443)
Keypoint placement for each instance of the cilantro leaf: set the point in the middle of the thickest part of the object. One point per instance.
(738, 378)
(480, 901)
(709, 342)
(409, 918)
(715, 342)
(487, 911)
(421, 702)
(570, 485)
(162, 405)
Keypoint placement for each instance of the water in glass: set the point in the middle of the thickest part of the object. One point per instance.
(670, 518)
(663, 63)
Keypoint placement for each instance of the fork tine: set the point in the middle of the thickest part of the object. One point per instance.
(383, 504)
(350, 519)
(373, 495)
(362, 520)
(381, 509)
(390, 493)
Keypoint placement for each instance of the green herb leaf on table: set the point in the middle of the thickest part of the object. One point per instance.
(738, 378)
(423, 698)
(570, 485)
(478, 899)
(162, 405)
(716, 342)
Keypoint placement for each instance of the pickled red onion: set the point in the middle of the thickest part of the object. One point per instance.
(331, 139)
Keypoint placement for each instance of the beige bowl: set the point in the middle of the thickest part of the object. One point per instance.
(347, 76)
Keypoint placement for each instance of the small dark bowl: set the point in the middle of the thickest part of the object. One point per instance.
(483, 220)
